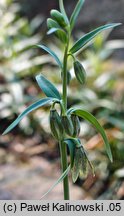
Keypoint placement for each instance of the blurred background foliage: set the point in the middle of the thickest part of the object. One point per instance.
(103, 95)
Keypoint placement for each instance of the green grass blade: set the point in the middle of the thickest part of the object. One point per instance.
(89, 117)
(89, 36)
(76, 13)
(48, 50)
(47, 87)
(31, 108)
(64, 174)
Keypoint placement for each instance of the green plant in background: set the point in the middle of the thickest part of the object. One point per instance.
(64, 123)
(16, 61)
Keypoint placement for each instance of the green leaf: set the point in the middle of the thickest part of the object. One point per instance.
(71, 145)
(31, 108)
(64, 174)
(51, 53)
(89, 117)
(62, 9)
(89, 36)
(76, 12)
(47, 87)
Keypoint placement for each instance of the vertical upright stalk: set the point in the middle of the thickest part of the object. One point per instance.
(63, 149)
(64, 164)
(64, 79)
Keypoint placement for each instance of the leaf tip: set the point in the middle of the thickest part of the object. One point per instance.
(113, 25)
(38, 76)
(118, 24)
(5, 132)
(110, 156)
(111, 159)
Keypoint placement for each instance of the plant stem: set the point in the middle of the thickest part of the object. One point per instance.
(64, 164)
(64, 75)
(63, 148)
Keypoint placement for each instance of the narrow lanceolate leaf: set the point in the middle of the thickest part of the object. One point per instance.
(62, 9)
(31, 108)
(89, 117)
(51, 53)
(76, 12)
(71, 145)
(89, 36)
(47, 87)
(64, 174)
